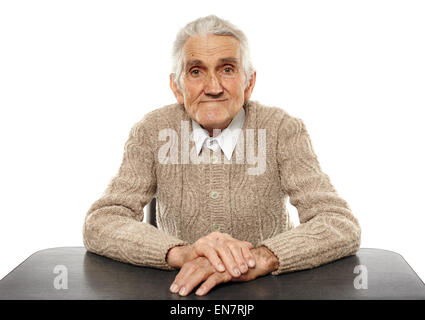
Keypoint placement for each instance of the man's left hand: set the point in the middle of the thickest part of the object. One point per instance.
(201, 272)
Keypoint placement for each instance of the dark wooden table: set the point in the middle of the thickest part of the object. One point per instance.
(74, 273)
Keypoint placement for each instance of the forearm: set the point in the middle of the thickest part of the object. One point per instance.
(127, 240)
(325, 238)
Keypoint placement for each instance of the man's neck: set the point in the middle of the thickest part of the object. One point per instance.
(218, 130)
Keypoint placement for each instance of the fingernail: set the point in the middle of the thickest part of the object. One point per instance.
(251, 263)
(182, 291)
(236, 272)
(221, 268)
(244, 268)
(174, 288)
(200, 291)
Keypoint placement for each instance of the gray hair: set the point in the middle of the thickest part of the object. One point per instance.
(204, 26)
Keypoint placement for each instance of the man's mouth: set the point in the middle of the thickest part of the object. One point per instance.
(214, 100)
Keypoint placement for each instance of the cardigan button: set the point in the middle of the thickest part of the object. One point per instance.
(215, 227)
(213, 160)
(214, 194)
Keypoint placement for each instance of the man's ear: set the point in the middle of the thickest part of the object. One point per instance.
(176, 91)
(250, 87)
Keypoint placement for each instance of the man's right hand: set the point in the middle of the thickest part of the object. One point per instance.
(222, 250)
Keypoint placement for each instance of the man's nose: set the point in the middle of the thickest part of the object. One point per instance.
(212, 85)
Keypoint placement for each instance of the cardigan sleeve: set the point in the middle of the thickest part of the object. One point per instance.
(328, 230)
(113, 225)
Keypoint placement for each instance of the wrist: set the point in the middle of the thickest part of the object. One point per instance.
(267, 258)
(177, 256)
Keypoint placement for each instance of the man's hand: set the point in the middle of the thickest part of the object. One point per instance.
(267, 262)
(200, 270)
(222, 250)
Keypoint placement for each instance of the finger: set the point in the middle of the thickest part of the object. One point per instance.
(212, 281)
(243, 278)
(186, 273)
(228, 260)
(193, 279)
(216, 235)
(239, 258)
(249, 257)
(249, 245)
(213, 257)
(205, 249)
(227, 236)
(181, 275)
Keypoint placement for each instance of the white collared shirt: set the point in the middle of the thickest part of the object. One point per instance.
(226, 139)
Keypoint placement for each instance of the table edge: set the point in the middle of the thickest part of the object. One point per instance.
(68, 247)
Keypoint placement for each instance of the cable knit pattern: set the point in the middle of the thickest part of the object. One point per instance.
(194, 199)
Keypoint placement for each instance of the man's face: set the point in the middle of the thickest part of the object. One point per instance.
(213, 81)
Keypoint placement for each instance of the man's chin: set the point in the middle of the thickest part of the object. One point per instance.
(210, 123)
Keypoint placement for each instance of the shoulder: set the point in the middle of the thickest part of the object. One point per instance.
(167, 113)
(277, 118)
(168, 116)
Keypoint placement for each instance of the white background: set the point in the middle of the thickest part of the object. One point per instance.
(76, 75)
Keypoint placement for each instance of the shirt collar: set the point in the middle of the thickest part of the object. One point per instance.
(227, 139)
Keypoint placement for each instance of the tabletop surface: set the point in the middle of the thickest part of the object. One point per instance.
(74, 273)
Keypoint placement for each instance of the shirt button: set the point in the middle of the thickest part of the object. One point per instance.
(216, 227)
(214, 194)
(213, 160)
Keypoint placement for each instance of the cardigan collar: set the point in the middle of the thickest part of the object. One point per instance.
(226, 139)
(250, 117)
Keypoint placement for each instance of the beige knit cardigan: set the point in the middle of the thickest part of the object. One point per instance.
(195, 199)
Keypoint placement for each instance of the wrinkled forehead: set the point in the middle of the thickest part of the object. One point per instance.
(211, 49)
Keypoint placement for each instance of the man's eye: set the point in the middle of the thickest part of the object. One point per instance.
(228, 70)
(194, 72)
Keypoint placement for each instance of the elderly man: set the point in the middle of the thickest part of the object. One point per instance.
(221, 211)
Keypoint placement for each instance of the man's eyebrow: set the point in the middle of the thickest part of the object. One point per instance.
(192, 63)
(195, 62)
(229, 60)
